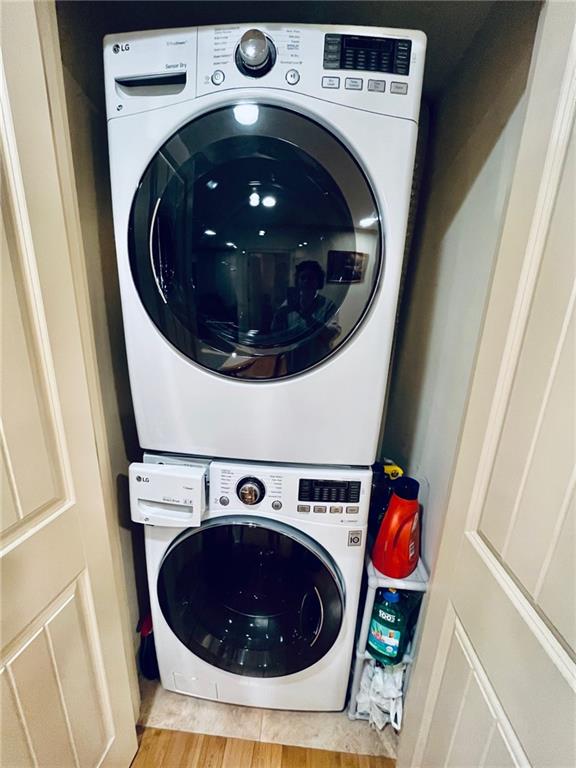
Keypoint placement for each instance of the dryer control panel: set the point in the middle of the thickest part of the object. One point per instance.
(369, 68)
(367, 54)
(324, 494)
(375, 69)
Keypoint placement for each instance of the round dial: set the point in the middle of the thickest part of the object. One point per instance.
(250, 490)
(255, 54)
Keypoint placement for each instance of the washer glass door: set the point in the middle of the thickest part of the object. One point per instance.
(254, 242)
(251, 596)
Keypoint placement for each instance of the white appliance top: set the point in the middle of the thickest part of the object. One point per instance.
(373, 69)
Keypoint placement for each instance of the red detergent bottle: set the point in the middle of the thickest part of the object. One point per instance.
(397, 546)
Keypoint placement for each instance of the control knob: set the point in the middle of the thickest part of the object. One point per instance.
(255, 55)
(250, 490)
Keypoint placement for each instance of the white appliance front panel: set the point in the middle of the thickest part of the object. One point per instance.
(330, 414)
(281, 499)
(200, 52)
(321, 687)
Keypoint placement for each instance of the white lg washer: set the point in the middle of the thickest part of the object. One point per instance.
(261, 184)
(254, 598)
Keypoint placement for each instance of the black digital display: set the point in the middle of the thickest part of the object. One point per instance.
(369, 43)
(329, 491)
(367, 54)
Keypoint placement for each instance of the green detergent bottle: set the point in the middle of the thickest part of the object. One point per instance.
(388, 634)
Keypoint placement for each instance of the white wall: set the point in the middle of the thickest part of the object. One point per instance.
(475, 134)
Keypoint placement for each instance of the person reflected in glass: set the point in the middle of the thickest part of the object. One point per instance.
(308, 314)
(307, 321)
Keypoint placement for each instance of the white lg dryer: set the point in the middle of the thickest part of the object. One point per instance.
(261, 182)
(254, 594)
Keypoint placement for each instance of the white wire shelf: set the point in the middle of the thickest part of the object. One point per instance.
(417, 581)
(367, 656)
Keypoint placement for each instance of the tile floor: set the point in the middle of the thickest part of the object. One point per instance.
(319, 730)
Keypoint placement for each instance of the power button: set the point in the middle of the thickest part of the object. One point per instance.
(292, 76)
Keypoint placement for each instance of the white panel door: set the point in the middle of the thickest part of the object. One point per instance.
(64, 682)
(496, 684)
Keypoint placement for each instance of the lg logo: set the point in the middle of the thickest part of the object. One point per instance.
(124, 47)
(141, 479)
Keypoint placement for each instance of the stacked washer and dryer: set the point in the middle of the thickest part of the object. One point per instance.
(261, 185)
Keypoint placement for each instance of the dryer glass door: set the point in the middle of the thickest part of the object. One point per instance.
(250, 596)
(255, 242)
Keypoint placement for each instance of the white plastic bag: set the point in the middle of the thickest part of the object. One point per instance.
(380, 694)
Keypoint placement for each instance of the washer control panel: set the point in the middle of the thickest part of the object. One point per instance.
(324, 494)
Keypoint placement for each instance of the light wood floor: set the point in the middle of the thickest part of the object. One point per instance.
(175, 749)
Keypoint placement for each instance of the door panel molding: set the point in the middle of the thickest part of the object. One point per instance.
(61, 626)
(530, 433)
(522, 601)
(560, 522)
(564, 345)
(107, 444)
(551, 177)
(430, 688)
(30, 302)
(501, 721)
(447, 699)
(50, 576)
(17, 746)
(11, 508)
(534, 676)
(466, 702)
(58, 647)
(555, 593)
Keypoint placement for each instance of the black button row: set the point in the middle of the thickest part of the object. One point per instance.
(402, 57)
(332, 51)
(371, 61)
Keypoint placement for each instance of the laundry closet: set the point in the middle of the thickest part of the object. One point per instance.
(481, 79)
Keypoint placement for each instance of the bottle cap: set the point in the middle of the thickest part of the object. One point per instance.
(406, 488)
(391, 595)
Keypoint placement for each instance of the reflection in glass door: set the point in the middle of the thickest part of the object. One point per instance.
(255, 247)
